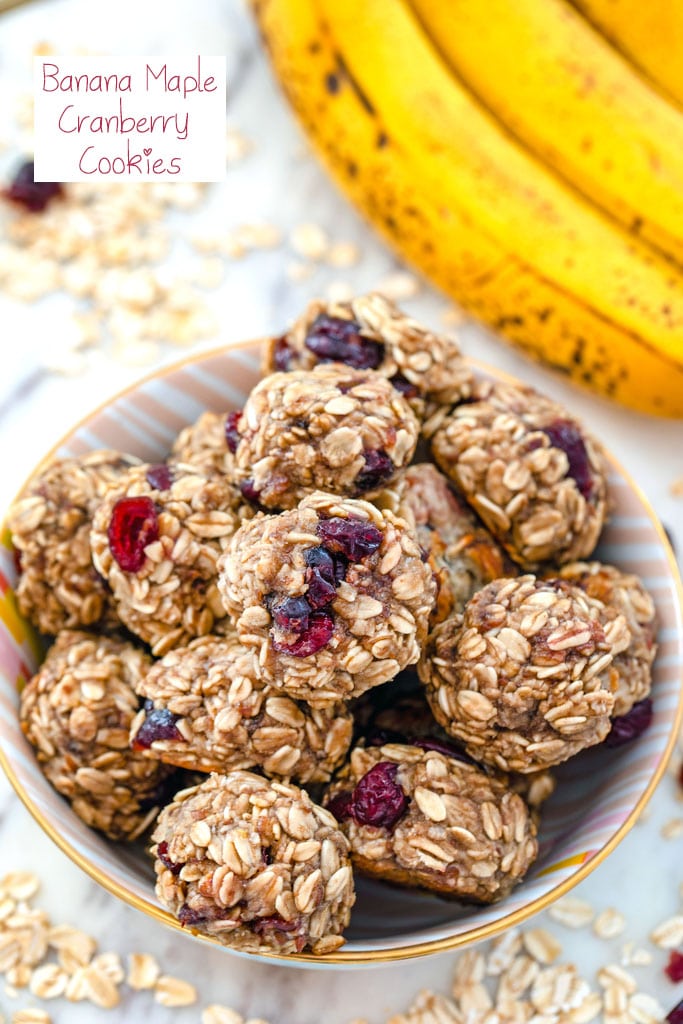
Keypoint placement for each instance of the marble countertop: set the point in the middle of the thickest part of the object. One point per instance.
(278, 183)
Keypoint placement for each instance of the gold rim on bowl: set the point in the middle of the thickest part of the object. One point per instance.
(415, 949)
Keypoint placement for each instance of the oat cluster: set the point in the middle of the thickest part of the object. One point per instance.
(59, 587)
(257, 862)
(172, 596)
(462, 553)
(287, 559)
(377, 618)
(77, 712)
(204, 445)
(529, 470)
(331, 428)
(463, 833)
(525, 677)
(226, 717)
(371, 331)
(622, 594)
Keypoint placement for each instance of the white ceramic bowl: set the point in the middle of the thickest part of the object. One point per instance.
(600, 793)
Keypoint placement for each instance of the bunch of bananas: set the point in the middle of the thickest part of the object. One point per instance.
(527, 155)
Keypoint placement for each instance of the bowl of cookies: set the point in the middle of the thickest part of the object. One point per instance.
(336, 647)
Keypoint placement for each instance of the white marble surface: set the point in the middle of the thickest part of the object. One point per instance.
(278, 183)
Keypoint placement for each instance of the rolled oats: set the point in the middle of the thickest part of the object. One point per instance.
(165, 587)
(462, 552)
(31, 1015)
(216, 1014)
(669, 934)
(609, 923)
(333, 595)
(227, 718)
(622, 594)
(77, 712)
(529, 470)
(572, 912)
(370, 331)
(524, 677)
(58, 586)
(275, 874)
(204, 444)
(541, 945)
(455, 829)
(329, 428)
(172, 992)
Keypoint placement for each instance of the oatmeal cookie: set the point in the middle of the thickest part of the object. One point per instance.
(370, 332)
(418, 818)
(622, 594)
(525, 677)
(59, 587)
(462, 552)
(255, 864)
(208, 709)
(208, 444)
(76, 712)
(156, 539)
(529, 470)
(332, 428)
(333, 595)
(399, 713)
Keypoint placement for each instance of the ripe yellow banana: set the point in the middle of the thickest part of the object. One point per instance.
(649, 33)
(456, 196)
(568, 96)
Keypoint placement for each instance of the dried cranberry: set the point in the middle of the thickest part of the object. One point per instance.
(320, 591)
(631, 725)
(232, 437)
(323, 574)
(159, 724)
(674, 968)
(442, 747)
(353, 538)
(187, 915)
(32, 195)
(565, 434)
(335, 340)
(263, 925)
(292, 614)
(341, 805)
(316, 636)
(282, 354)
(134, 524)
(16, 558)
(378, 798)
(378, 469)
(332, 565)
(249, 491)
(675, 1016)
(404, 386)
(159, 476)
(162, 854)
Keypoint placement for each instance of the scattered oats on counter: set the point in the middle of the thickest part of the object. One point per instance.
(609, 923)
(669, 934)
(515, 979)
(572, 912)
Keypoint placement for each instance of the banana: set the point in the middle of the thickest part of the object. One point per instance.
(452, 192)
(566, 94)
(649, 34)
